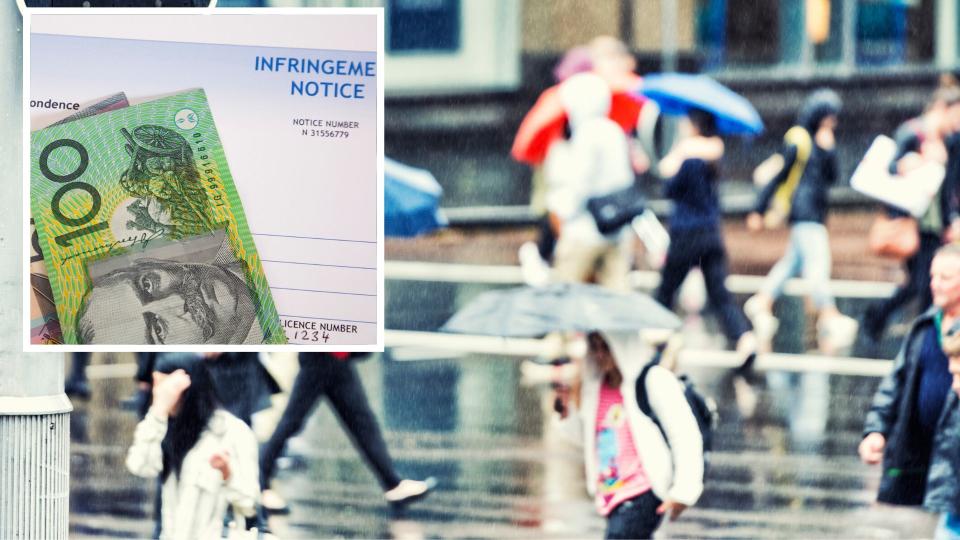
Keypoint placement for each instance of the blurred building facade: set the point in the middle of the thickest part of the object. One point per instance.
(460, 74)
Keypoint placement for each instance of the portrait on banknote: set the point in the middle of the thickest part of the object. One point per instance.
(192, 292)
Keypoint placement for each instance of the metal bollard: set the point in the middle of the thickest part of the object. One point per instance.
(34, 448)
(34, 412)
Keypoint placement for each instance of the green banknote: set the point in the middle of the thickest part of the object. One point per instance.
(142, 230)
(44, 325)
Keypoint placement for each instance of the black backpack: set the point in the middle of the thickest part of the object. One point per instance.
(704, 408)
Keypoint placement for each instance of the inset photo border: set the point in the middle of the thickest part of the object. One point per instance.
(147, 132)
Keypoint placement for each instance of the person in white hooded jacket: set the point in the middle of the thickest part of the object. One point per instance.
(205, 456)
(594, 162)
(634, 473)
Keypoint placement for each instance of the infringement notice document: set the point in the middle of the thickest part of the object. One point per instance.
(297, 99)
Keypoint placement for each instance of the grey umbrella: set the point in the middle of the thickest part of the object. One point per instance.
(537, 311)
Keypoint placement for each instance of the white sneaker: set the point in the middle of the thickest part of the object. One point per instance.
(765, 325)
(408, 491)
(836, 333)
(747, 348)
(273, 503)
(745, 396)
(535, 270)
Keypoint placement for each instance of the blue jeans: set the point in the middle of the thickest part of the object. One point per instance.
(635, 518)
(948, 527)
(809, 252)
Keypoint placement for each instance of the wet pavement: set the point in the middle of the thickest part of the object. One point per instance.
(789, 470)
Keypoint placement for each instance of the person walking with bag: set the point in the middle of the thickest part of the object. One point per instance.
(334, 375)
(920, 140)
(205, 456)
(639, 468)
(913, 426)
(596, 163)
(695, 235)
(799, 195)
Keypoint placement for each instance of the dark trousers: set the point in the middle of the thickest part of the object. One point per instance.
(635, 518)
(322, 375)
(917, 285)
(78, 368)
(703, 248)
(547, 241)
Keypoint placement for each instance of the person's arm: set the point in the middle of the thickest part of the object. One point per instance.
(883, 411)
(242, 474)
(145, 457)
(830, 168)
(908, 142)
(677, 185)
(766, 194)
(665, 394)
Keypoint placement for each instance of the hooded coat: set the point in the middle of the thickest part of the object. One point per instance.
(809, 202)
(674, 465)
(595, 161)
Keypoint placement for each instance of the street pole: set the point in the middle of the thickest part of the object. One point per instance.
(669, 13)
(34, 411)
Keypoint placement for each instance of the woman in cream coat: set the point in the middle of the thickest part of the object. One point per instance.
(205, 456)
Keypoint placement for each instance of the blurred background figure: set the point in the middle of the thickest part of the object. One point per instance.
(242, 381)
(929, 137)
(76, 384)
(333, 375)
(692, 170)
(798, 194)
(597, 164)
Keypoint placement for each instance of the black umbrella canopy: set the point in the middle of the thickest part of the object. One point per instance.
(537, 311)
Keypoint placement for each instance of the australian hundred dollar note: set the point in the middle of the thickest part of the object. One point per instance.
(44, 324)
(133, 181)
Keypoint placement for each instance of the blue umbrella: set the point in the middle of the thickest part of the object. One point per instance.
(411, 200)
(677, 93)
(537, 311)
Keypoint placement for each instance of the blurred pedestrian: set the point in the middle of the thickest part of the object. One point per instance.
(77, 384)
(810, 168)
(913, 426)
(597, 163)
(141, 398)
(638, 468)
(535, 257)
(920, 140)
(205, 456)
(243, 383)
(334, 375)
(692, 167)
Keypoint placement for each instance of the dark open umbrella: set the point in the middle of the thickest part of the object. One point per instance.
(537, 311)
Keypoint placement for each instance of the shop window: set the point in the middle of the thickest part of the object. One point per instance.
(423, 25)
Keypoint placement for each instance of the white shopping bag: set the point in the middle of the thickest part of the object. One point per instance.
(911, 192)
(655, 238)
